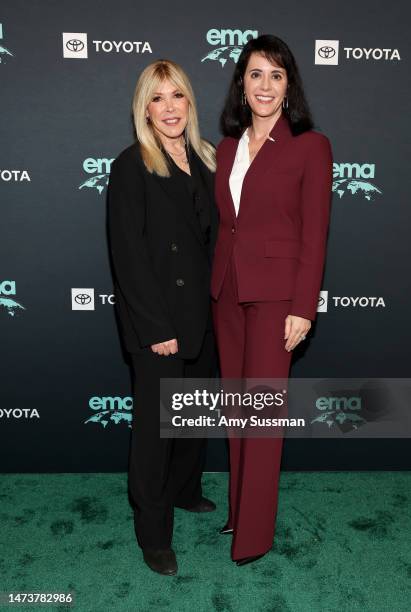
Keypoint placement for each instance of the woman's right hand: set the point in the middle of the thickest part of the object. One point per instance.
(170, 347)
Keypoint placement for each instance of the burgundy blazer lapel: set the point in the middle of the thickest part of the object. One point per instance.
(263, 162)
(266, 159)
(224, 170)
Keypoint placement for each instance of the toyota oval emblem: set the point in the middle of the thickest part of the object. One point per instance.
(82, 298)
(75, 45)
(326, 52)
(321, 301)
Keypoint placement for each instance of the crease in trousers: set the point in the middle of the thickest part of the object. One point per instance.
(250, 341)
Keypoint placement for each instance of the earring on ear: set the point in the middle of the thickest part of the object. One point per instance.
(243, 96)
(285, 106)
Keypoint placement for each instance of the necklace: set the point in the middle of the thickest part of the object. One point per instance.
(176, 154)
(179, 155)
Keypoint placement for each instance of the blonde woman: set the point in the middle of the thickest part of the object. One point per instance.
(162, 224)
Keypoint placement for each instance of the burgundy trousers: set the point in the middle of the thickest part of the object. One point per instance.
(250, 340)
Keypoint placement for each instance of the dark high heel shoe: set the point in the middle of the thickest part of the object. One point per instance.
(246, 560)
(226, 529)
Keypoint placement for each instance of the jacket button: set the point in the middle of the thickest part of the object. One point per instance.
(233, 230)
(174, 247)
(179, 282)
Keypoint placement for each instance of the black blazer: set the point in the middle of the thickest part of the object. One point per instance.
(160, 260)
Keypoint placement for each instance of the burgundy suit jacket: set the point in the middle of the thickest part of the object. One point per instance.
(278, 240)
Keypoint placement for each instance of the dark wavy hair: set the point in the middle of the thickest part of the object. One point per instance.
(236, 116)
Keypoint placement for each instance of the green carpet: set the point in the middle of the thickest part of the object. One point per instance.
(342, 543)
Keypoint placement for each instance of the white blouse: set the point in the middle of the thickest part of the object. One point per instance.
(240, 167)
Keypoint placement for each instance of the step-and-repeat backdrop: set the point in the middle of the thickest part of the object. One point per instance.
(67, 72)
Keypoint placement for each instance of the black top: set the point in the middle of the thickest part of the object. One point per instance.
(198, 193)
(199, 196)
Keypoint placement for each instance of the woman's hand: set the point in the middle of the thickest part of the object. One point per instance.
(295, 329)
(170, 347)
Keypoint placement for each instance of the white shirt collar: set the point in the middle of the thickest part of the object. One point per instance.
(245, 137)
(242, 154)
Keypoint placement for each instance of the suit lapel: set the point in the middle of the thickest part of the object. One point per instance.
(265, 159)
(226, 165)
(206, 174)
(271, 149)
(262, 162)
(208, 179)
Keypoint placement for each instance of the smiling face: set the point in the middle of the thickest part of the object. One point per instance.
(265, 86)
(168, 110)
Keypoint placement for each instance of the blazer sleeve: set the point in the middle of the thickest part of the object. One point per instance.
(134, 274)
(315, 212)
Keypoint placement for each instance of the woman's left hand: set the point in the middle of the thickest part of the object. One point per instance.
(295, 329)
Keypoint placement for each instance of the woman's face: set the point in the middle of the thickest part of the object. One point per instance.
(168, 110)
(265, 85)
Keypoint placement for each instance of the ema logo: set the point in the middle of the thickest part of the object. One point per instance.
(100, 169)
(115, 409)
(232, 42)
(326, 53)
(342, 411)
(10, 306)
(351, 178)
(75, 46)
(4, 53)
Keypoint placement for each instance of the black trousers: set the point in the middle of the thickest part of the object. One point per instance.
(163, 472)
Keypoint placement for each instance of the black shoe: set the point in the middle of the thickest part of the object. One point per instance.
(226, 529)
(204, 505)
(246, 560)
(162, 561)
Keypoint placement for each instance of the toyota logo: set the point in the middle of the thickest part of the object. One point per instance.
(82, 298)
(75, 45)
(321, 301)
(326, 52)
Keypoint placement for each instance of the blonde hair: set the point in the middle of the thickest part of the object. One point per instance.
(150, 145)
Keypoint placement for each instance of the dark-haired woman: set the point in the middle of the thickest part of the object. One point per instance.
(273, 191)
